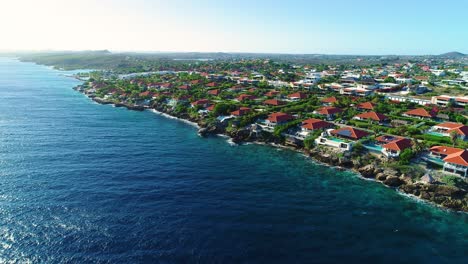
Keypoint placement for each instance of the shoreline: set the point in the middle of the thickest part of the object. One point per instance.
(395, 182)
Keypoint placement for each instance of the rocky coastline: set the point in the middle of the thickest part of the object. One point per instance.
(445, 196)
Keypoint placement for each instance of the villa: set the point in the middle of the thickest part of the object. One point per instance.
(241, 112)
(202, 102)
(328, 111)
(312, 124)
(343, 138)
(278, 118)
(350, 133)
(274, 102)
(373, 116)
(455, 159)
(366, 106)
(445, 129)
(329, 101)
(243, 97)
(420, 113)
(297, 96)
(394, 148)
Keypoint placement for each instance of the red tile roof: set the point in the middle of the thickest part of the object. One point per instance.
(462, 100)
(242, 111)
(201, 102)
(444, 150)
(279, 117)
(329, 100)
(184, 87)
(329, 110)
(398, 145)
(419, 112)
(373, 116)
(275, 102)
(313, 124)
(272, 93)
(461, 129)
(366, 105)
(299, 95)
(243, 97)
(350, 132)
(211, 84)
(214, 92)
(460, 158)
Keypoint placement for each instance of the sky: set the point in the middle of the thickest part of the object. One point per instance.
(366, 27)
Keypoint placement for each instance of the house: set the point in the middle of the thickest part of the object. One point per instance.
(420, 113)
(373, 116)
(214, 92)
(211, 84)
(241, 111)
(365, 106)
(328, 111)
(297, 96)
(343, 138)
(457, 163)
(455, 159)
(202, 103)
(278, 118)
(243, 97)
(394, 148)
(272, 93)
(274, 102)
(461, 101)
(329, 101)
(184, 87)
(442, 100)
(312, 124)
(349, 133)
(445, 129)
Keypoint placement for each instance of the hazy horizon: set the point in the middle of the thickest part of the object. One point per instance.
(338, 27)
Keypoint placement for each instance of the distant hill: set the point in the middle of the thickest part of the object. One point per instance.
(453, 54)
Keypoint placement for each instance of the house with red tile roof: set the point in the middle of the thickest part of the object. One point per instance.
(349, 133)
(328, 111)
(210, 108)
(455, 159)
(184, 87)
(211, 84)
(366, 106)
(243, 97)
(312, 124)
(329, 101)
(373, 116)
(394, 148)
(278, 118)
(272, 93)
(297, 96)
(457, 163)
(214, 92)
(241, 111)
(274, 102)
(202, 102)
(447, 128)
(419, 113)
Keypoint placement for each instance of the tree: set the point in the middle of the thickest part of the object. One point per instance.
(390, 80)
(405, 156)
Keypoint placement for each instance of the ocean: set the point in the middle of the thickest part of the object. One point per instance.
(88, 183)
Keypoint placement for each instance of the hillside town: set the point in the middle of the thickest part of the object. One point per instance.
(404, 124)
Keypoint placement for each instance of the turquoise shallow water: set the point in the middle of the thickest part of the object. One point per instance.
(82, 182)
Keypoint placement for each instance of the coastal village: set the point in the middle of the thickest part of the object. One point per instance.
(403, 124)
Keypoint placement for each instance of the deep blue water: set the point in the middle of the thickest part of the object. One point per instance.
(82, 182)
